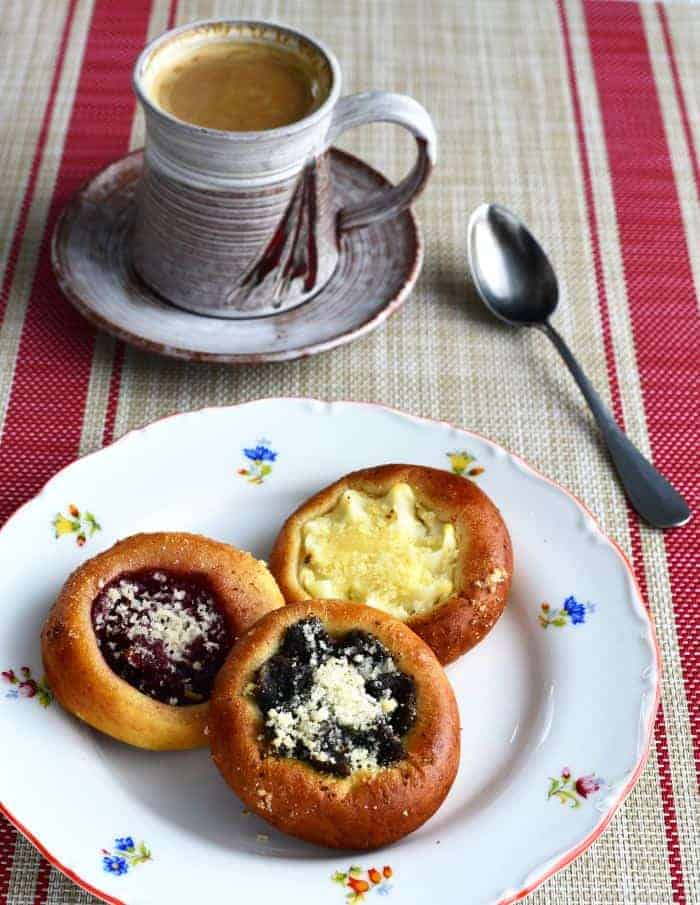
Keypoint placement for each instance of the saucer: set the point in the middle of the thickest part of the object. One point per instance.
(377, 268)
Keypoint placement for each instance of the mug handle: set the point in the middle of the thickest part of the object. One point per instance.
(386, 107)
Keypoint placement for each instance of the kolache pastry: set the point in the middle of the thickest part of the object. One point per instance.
(423, 545)
(138, 633)
(335, 723)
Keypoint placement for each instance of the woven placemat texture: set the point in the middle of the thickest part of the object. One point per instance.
(582, 116)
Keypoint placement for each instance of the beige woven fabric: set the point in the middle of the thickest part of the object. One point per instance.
(493, 74)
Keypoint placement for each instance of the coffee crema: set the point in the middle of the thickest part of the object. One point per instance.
(236, 86)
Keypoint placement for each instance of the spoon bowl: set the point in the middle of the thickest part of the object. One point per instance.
(511, 272)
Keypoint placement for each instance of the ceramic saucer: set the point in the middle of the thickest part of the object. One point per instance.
(376, 271)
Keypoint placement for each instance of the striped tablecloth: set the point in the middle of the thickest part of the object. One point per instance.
(582, 116)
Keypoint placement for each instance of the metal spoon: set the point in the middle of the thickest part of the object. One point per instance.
(517, 284)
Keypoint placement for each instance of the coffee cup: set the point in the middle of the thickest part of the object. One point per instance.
(236, 215)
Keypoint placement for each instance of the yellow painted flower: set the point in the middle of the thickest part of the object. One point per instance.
(82, 524)
(63, 525)
(460, 461)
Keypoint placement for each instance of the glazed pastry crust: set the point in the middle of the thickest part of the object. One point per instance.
(76, 670)
(370, 808)
(484, 551)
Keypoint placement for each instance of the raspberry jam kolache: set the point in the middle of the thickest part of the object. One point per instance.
(162, 633)
(336, 723)
(138, 633)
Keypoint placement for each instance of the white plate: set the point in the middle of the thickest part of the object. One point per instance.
(536, 703)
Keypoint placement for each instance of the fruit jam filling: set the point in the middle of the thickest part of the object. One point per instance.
(163, 633)
(340, 704)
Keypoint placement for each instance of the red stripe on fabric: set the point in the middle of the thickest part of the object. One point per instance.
(44, 417)
(8, 844)
(8, 834)
(661, 294)
(41, 887)
(172, 13)
(28, 197)
(667, 798)
(680, 96)
(45, 413)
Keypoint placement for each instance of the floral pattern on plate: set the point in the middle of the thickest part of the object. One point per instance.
(261, 457)
(25, 686)
(573, 792)
(571, 612)
(461, 464)
(124, 855)
(358, 883)
(73, 521)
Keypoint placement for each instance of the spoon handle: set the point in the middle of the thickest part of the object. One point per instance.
(648, 491)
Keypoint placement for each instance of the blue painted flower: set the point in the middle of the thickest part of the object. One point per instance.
(260, 453)
(124, 844)
(384, 889)
(115, 864)
(576, 610)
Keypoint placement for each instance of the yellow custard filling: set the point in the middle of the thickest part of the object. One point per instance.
(389, 552)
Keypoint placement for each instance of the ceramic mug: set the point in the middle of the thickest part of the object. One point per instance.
(244, 224)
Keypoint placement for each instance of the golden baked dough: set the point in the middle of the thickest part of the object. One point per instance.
(231, 590)
(372, 805)
(421, 544)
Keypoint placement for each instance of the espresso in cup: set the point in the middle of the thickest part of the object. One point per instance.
(237, 86)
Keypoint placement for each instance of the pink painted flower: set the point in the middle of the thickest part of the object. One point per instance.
(27, 689)
(565, 773)
(587, 785)
(9, 675)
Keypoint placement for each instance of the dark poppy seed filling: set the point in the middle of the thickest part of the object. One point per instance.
(163, 633)
(340, 704)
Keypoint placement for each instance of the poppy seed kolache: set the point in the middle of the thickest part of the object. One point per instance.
(423, 545)
(135, 639)
(336, 723)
